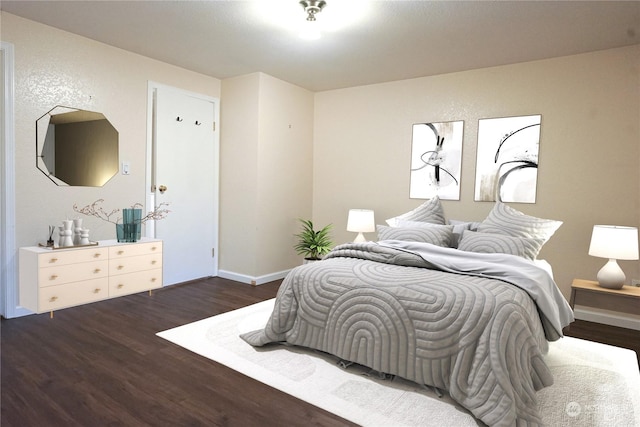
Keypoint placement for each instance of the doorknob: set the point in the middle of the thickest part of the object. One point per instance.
(162, 188)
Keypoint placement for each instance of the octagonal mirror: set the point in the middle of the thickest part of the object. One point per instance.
(76, 147)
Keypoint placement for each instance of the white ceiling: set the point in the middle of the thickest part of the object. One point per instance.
(363, 42)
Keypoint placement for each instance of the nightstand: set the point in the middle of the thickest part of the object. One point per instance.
(588, 293)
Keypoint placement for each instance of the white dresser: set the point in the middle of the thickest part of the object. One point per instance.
(61, 278)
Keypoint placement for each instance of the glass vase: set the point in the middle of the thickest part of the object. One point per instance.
(130, 229)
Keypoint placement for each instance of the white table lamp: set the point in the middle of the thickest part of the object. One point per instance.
(613, 242)
(361, 221)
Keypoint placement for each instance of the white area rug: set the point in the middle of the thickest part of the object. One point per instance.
(595, 384)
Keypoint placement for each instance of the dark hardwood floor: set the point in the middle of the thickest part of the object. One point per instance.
(102, 365)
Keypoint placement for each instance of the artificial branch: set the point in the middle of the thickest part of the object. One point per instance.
(96, 210)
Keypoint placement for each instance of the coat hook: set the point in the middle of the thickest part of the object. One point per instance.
(198, 123)
(178, 119)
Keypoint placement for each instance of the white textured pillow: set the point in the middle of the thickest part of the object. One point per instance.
(439, 235)
(505, 220)
(473, 241)
(430, 211)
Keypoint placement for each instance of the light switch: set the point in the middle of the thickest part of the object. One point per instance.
(126, 168)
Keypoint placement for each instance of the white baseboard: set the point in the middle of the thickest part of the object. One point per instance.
(251, 280)
(607, 317)
(19, 311)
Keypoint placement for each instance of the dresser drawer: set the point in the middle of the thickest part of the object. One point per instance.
(54, 279)
(134, 249)
(135, 282)
(134, 263)
(70, 294)
(65, 257)
(50, 276)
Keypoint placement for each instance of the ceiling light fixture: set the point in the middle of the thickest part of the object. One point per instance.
(312, 7)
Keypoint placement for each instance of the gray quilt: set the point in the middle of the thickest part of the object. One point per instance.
(399, 308)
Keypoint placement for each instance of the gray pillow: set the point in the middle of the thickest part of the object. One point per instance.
(459, 227)
(430, 211)
(472, 241)
(439, 235)
(508, 221)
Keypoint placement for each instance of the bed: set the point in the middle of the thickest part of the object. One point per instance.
(474, 323)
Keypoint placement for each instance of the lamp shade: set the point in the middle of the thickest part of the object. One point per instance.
(614, 242)
(361, 221)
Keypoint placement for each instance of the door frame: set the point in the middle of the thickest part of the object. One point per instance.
(149, 194)
(10, 306)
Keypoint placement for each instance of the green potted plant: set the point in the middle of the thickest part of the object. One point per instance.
(313, 244)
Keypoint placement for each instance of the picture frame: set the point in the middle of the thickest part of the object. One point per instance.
(436, 160)
(507, 159)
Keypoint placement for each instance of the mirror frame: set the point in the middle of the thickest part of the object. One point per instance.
(65, 115)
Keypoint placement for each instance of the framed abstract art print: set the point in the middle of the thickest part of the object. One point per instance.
(507, 159)
(436, 157)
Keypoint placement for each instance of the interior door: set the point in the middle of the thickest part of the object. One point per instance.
(185, 176)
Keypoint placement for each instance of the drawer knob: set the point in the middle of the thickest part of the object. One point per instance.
(96, 290)
(53, 277)
(153, 248)
(120, 252)
(120, 286)
(97, 255)
(153, 279)
(52, 260)
(153, 262)
(96, 271)
(52, 299)
(120, 267)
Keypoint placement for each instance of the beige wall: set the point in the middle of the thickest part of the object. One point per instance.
(239, 117)
(589, 149)
(350, 146)
(266, 143)
(53, 67)
(266, 173)
(285, 171)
